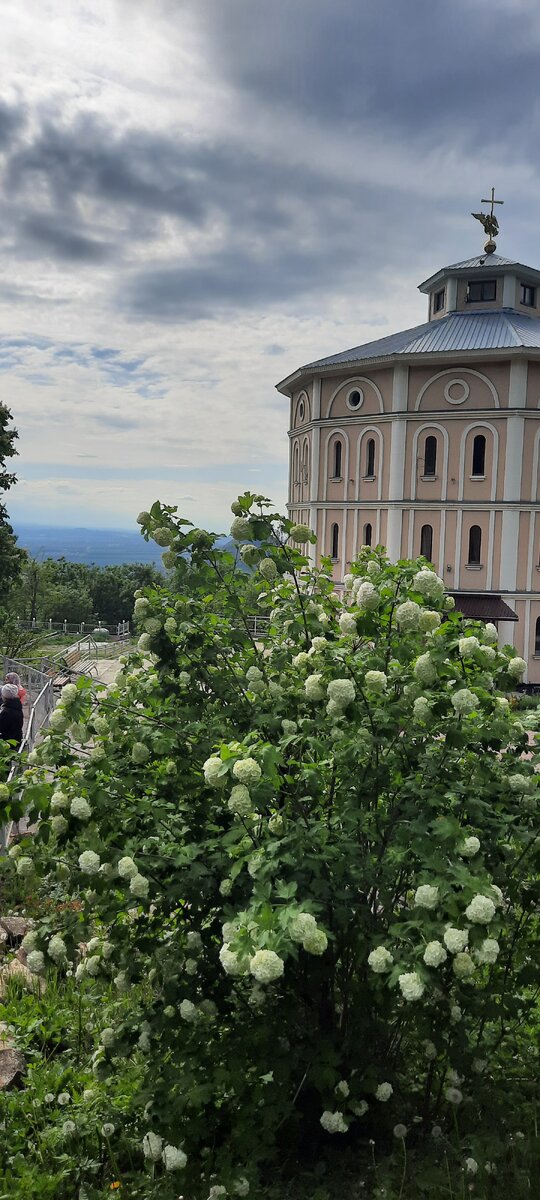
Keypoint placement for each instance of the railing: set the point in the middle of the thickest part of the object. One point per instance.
(39, 688)
(118, 630)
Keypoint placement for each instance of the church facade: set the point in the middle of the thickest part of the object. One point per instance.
(428, 441)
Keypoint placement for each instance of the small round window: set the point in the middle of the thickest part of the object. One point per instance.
(355, 399)
(301, 411)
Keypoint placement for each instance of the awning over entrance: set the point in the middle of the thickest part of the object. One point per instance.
(483, 608)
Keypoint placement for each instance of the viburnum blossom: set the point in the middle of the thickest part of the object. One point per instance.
(380, 960)
(341, 691)
(247, 771)
(376, 681)
(301, 926)
(488, 952)
(491, 632)
(481, 910)
(428, 584)
(421, 709)
(313, 688)
(213, 772)
(59, 801)
(455, 939)
(266, 966)
(59, 824)
(241, 529)
(126, 868)
(140, 752)
(315, 942)
(334, 1122)
(173, 1158)
(347, 624)
(240, 801)
(468, 646)
(230, 961)
(424, 670)
(434, 954)
(367, 596)
(426, 896)
(69, 693)
(519, 783)
(139, 886)
(517, 667)
(408, 615)
(89, 862)
(463, 965)
(57, 949)
(300, 534)
(411, 986)
(469, 847)
(188, 1011)
(80, 808)
(429, 620)
(152, 1144)
(464, 702)
(383, 1092)
(36, 962)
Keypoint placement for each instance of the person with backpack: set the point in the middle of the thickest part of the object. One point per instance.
(11, 715)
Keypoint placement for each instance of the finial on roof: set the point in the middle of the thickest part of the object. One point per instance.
(490, 222)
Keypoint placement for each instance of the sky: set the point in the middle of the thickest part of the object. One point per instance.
(198, 196)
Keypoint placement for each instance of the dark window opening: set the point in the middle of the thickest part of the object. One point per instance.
(479, 455)
(334, 537)
(528, 295)
(430, 456)
(370, 458)
(355, 399)
(301, 411)
(438, 301)
(426, 541)
(537, 637)
(338, 449)
(368, 535)
(475, 545)
(481, 289)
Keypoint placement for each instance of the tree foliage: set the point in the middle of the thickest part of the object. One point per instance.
(11, 557)
(312, 865)
(59, 590)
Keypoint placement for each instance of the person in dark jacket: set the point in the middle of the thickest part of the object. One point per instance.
(11, 715)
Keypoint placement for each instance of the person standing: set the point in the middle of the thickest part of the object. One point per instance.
(11, 715)
(12, 677)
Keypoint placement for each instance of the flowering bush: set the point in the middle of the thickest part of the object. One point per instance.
(304, 858)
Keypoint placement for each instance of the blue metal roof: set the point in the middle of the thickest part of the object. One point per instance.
(494, 330)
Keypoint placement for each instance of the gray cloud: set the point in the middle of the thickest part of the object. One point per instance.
(51, 235)
(12, 120)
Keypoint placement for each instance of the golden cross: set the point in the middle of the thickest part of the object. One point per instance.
(492, 201)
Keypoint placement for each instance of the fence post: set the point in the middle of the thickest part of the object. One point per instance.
(64, 626)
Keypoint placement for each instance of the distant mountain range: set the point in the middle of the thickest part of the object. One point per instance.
(101, 547)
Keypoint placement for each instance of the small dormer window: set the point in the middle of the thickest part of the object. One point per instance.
(480, 290)
(438, 301)
(528, 295)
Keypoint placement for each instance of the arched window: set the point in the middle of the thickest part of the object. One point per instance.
(370, 458)
(337, 457)
(368, 535)
(430, 456)
(334, 540)
(479, 455)
(475, 545)
(426, 541)
(537, 637)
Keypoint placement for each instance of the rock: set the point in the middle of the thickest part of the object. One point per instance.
(21, 955)
(17, 970)
(15, 927)
(12, 1068)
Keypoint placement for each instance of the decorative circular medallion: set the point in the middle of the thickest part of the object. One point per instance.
(355, 399)
(301, 411)
(452, 385)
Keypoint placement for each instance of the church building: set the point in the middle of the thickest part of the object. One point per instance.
(428, 442)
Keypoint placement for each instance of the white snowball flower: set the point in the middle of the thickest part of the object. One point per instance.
(499, 898)
(313, 688)
(300, 534)
(173, 1158)
(367, 596)
(247, 771)
(69, 693)
(144, 643)
(241, 1187)
(213, 772)
(188, 1011)
(411, 986)
(341, 691)
(468, 646)
(455, 940)
(241, 529)
(408, 615)
(421, 709)
(463, 965)
(230, 961)
(190, 966)
(334, 1122)
(126, 868)
(57, 949)
(58, 824)
(360, 1109)
(519, 783)
(453, 1095)
(491, 632)
(301, 926)
(266, 965)
(455, 1014)
(107, 1037)
(424, 670)
(347, 624)
(59, 801)
(471, 1166)
(316, 942)
(139, 886)
(464, 701)
(435, 954)
(139, 753)
(380, 960)
(92, 965)
(426, 896)
(80, 808)
(36, 962)
(481, 910)
(430, 1050)
(342, 1088)
(428, 584)
(89, 862)
(383, 1092)
(170, 626)
(469, 847)
(152, 1144)
(348, 581)
(317, 645)
(240, 802)
(488, 952)
(429, 620)
(376, 681)
(400, 1131)
(301, 659)
(30, 941)
(517, 667)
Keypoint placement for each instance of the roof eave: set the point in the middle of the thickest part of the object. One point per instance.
(407, 357)
(474, 272)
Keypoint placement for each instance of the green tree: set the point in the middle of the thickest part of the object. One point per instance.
(312, 866)
(11, 556)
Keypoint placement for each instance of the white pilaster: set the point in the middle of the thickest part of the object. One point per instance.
(509, 291)
(451, 295)
(397, 461)
(509, 550)
(513, 462)
(316, 415)
(506, 633)
(315, 454)
(517, 391)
